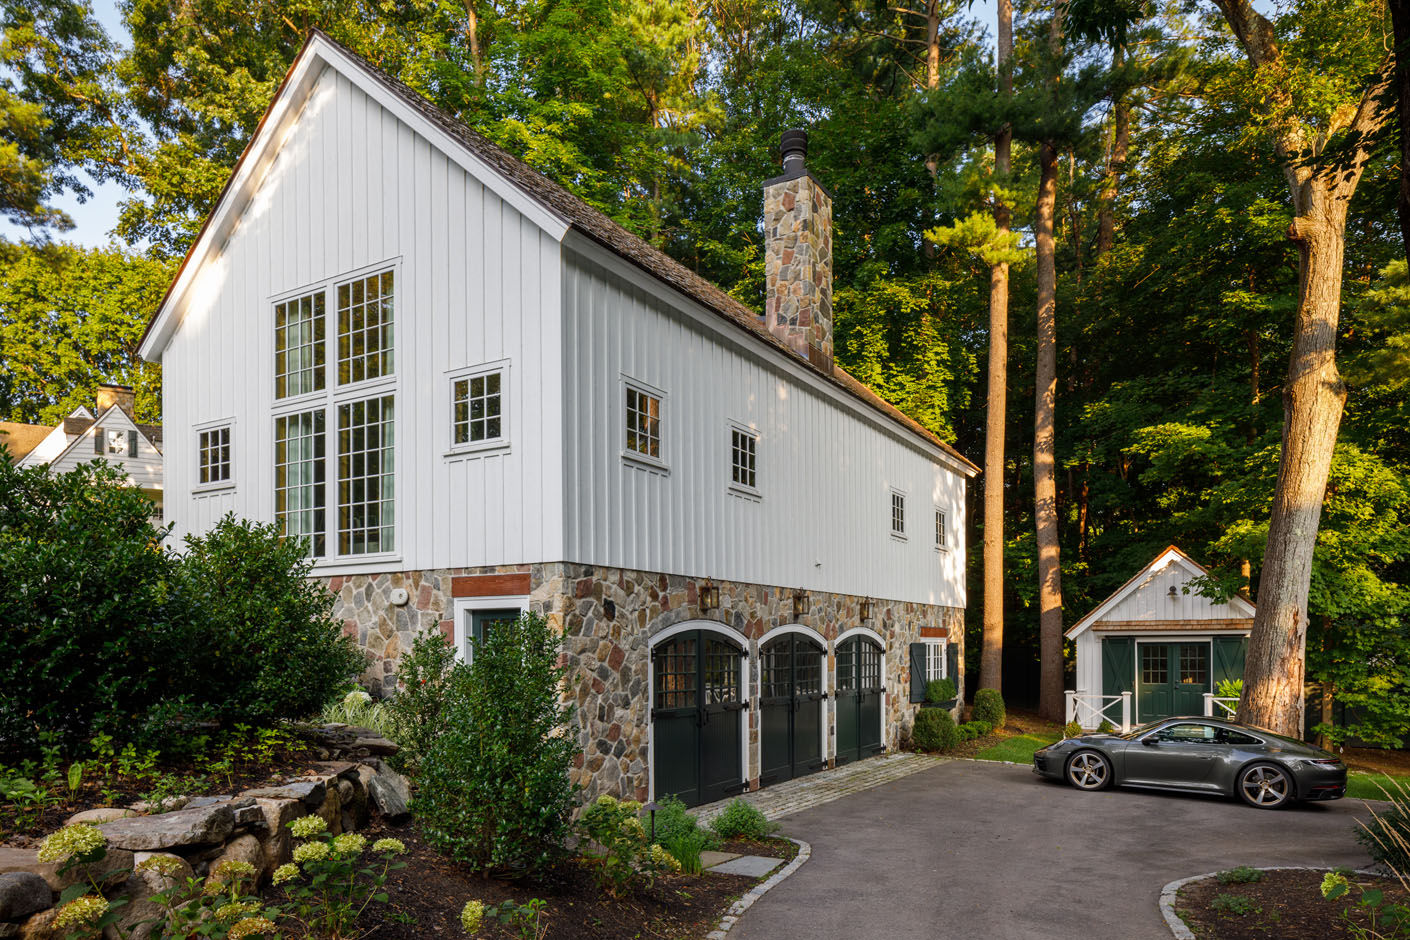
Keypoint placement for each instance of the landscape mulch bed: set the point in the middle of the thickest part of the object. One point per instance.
(425, 898)
(1288, 905)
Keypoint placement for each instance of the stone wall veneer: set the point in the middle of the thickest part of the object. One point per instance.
(608, 617)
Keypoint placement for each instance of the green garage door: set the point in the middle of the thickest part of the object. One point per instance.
(859, 692)
(1171, 679)
(790, 708)
(695, 718)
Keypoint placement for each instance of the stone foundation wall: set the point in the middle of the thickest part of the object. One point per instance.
(608, 617)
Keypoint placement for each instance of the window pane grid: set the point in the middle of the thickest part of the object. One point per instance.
(676, 675)
(1155, 665)
(743, 456)
(1194, 664)
(477, 407)
(934, 661)
(898, 514)
(299, 476)
(214, 456)
(365, 347)
(298, 346)
(643, 423)
(939, 528)
(721, 672)
(366, 482)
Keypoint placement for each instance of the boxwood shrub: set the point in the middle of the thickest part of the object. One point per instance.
(989, 706)
(934, 730)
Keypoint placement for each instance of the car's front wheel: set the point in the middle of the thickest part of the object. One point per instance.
(1088, 770)
(1265, 786)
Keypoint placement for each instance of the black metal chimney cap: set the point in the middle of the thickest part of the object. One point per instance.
(794, 143)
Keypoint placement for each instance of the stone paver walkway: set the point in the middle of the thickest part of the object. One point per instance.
(792, 796)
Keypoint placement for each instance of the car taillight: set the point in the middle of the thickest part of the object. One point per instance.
(1329, 762)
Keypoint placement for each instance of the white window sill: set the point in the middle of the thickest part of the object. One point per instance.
(210, 489)
(477, 449)
(342, 564)
(943, 548)
(745, 492)
(646, 462)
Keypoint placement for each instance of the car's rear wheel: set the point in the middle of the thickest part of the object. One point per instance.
(1265, 786)
(1088, 770)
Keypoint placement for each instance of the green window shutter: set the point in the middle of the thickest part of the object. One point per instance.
(132, 443)
(917, 672)
(952, 667)
(1118, 664)
(98, 436)
(1229, 654)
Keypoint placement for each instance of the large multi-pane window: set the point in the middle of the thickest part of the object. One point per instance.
(744, 448)
(299, 477)
(299, 346)
(365, 347)
(352, 422)
(643, 423)
(366, 483)
(213, 451)
(477, 408)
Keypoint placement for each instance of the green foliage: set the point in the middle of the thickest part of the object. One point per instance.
(989, 706)
(1072, 729)
(1242, 875)
(1229, 688)
(1106, 727)
(493, 785)
(525, 921)
(971, 730)
(1381, 918)
(1236, 904)
(674, 821)
(938, 691)
(685, 847)
(1386, 837)
(361, 710)
(332, 886)
(426, 678)
(272, 648)
(742, 820)
(934, 730)
(626, 859)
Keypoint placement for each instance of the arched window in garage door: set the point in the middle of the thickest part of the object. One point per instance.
(697, 706)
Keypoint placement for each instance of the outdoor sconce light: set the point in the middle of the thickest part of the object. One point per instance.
(800, 603)
(1172, 592)
(652, 808)
(709, 595)
(865, 609)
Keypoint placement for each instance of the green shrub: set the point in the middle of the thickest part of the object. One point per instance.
(494, 790)
(674, 821)
(934, 730)
(1386, 836)
(989, 706)
(1236, 904)
(273, 648)
(361, 710)
(1242, 875)
(1073, 729)
(740, 820)
(425, 675)
(1106, 727)
(685, 847)
(939, 691)
(616, 828)
(971, 730)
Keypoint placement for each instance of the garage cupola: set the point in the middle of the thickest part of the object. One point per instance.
(798, 256)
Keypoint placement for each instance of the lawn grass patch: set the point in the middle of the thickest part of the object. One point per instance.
(1364, 786)
(1019, 748)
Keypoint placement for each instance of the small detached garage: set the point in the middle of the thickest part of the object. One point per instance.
(1154, 650)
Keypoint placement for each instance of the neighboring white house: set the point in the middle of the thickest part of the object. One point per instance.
(473, 395)
(114, 435)
(1155, 649)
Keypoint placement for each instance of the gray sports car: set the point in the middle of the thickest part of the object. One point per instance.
(1203, 755)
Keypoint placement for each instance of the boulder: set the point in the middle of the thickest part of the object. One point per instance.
(277, 841)
(40, 926)
(331, 811)
(109, 870)
(101, 814)
(23, 893)
(7, 931)
(336, 768)
(137, 918)
(142, 807)
(310, 791)
(390, 794)
(201, 825)
(376, 745)
(244, 848)
(196, 802)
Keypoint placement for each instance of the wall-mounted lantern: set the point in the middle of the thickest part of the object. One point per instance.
(865, 609)
(709, 595)
(800, 603)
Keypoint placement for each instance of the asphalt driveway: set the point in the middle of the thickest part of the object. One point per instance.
(981, 851)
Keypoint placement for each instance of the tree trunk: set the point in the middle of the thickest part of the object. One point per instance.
(1312, 407)
(991, 669)
(1400, 29)
(1045, 515)
(472, 34)
(1115, 166)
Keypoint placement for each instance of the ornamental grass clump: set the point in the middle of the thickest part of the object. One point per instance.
(493, 787)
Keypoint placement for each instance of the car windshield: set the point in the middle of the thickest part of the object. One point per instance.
(1148, 726)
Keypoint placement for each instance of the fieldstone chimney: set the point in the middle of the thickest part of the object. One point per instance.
(798, 256)
(120, 395)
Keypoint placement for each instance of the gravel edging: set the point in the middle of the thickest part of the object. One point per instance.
(731, 917)
(1170, 891)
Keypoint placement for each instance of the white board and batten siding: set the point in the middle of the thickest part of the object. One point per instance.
(826, 465)
(353, 189)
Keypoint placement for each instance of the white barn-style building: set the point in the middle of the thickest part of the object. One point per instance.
(473, 395)
(1155, 649)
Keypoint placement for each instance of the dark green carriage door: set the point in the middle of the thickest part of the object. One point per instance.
(1171, 679)
(1229, 655)
(859, 693)
(696, 717)
(790, 708)
(1118, 664)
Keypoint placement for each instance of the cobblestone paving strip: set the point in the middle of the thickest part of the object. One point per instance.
(792, 796)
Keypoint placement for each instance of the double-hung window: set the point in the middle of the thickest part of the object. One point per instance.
(213, 453)
(643, 422)
(744, 459)
(479, 407)
(335, 404)
(941, 541)
(898, 514)
(934, 660)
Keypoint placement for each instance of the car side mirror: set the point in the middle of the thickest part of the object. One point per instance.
(1150, 740)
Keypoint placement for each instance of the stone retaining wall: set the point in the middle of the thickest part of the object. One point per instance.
(251, 826)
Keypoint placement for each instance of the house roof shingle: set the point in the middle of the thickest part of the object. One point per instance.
(20, 439)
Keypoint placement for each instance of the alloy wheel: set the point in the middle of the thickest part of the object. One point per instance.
(1265, 787)
(1088, 771)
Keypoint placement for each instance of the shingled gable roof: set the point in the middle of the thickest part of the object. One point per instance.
(1134, 581)
(601, 229)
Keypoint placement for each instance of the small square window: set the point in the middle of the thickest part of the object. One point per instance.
(213, 465)
(643, 423)
(898, 513)
(117, 443)
(940, 529)
(477, 408)
(744, 449)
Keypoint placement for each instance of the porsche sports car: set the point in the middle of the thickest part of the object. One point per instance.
(1202, 755)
